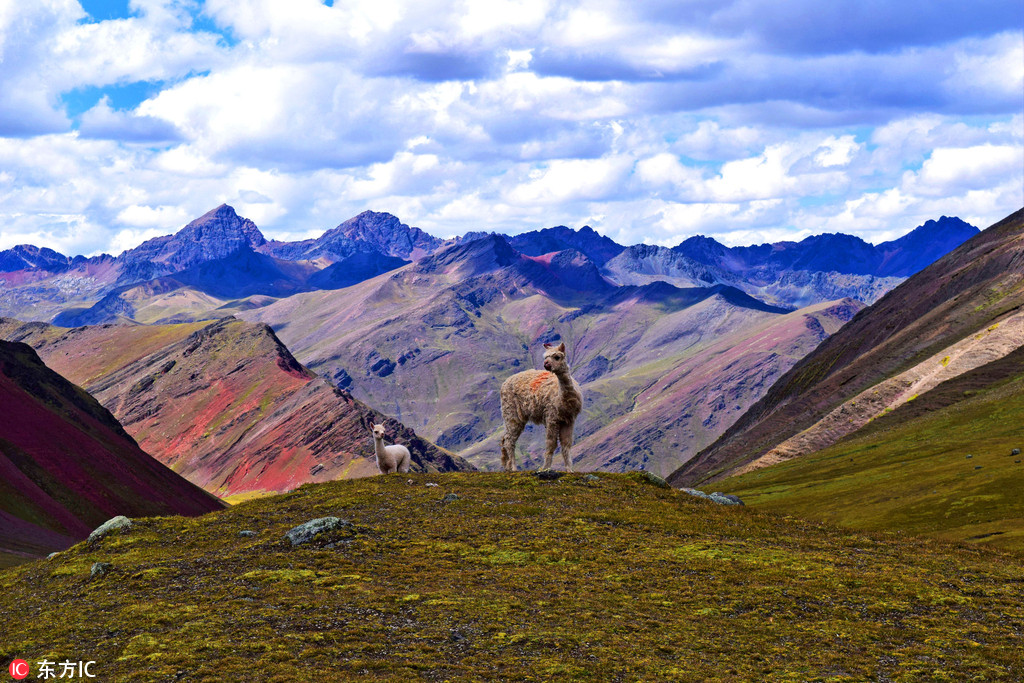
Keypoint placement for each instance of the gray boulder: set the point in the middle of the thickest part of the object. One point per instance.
(100, 568)
(725, 498)
(114, 524)
(651, 478)
(304, 533)
(696, 493)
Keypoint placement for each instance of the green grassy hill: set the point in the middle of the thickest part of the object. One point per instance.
(941, 464)
(516, 579)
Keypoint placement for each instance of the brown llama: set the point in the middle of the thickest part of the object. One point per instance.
(550, 397)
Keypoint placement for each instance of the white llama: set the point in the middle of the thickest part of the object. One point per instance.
(390, 459)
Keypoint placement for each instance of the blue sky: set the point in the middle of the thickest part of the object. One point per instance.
(746, 120)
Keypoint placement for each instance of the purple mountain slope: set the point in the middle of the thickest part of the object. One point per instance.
(66, 465)
(586, 240)
(923, 245)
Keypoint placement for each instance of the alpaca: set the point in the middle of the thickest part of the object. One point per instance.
(550, 397)
(389, 458)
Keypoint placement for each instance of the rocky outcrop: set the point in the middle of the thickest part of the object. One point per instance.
(214, 235)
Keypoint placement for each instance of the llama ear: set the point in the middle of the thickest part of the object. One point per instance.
(561, 347)
(547, 345)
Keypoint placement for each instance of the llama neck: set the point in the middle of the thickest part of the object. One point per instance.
(378, 447)
(565, 382)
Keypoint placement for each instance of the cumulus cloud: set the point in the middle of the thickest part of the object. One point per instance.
(104, 122)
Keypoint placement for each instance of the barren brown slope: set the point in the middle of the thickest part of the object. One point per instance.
(963, 293)
(688, 407)
(225, 404)
(66, 465)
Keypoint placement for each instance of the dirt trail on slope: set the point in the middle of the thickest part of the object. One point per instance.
(980, 348)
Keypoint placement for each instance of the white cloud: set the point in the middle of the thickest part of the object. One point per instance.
(972, 168)
(567, 180)
(836, 151)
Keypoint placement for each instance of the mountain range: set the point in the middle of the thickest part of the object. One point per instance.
(221, 263)
(423, 329)
(430, 343)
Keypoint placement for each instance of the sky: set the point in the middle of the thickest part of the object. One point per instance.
(746, 120)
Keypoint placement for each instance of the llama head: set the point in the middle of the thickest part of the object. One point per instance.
(377, 431)
(555, 360)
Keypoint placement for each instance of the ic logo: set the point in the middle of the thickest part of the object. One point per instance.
(19, 669)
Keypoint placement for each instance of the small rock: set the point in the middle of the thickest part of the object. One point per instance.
(119, 522)
(725, 498)
(100, 568)
(652, 478)
(449, 497)
(1017, 461)
(1015, 451)
(431, 483)
(52, 555)
(410, 482)
(977, 467)
(248, 533)
(316, 469)
(696, 493)
(969, 456)
(304, 533)
(591, 478)
(549, 475)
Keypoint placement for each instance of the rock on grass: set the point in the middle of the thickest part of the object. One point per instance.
(645, 477)
(304, 533)
(114, 524)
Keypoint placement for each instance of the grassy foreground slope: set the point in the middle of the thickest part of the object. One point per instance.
(942, 465)
(516, 579)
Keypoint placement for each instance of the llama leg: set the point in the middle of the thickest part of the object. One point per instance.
(508, 445)
(565, 437)
(551, 442)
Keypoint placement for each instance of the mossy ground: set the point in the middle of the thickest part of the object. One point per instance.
(517, 579)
